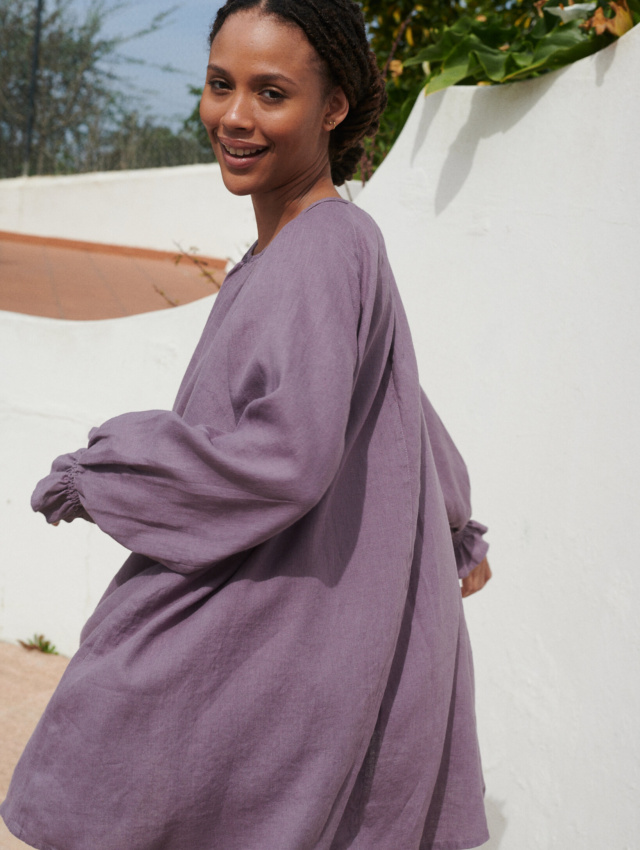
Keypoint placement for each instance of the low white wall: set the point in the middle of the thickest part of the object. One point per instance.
(60, 379)
(149, 208)
(156, 208)
(512, 217)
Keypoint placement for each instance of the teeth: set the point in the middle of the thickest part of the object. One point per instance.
(239, 152)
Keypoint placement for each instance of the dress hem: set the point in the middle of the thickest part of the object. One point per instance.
(19, 833)
(469, 844)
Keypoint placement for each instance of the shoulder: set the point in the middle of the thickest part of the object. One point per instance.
(331, 250)
(333, 228)
(338, 216)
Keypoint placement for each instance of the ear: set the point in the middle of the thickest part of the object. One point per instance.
(336, 109)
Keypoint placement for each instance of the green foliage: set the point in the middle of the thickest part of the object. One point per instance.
(485, 50)
(396, 31)
(39, 643)
(470, 42)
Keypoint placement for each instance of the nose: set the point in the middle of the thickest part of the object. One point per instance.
(238, 114)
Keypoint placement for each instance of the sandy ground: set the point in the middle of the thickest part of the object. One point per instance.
(27, 680)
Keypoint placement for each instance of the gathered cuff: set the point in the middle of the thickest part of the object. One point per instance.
(76, 508)
(56, 496)
(469, 546)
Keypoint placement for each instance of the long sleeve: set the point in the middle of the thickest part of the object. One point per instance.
(468, 543)
(190, 493)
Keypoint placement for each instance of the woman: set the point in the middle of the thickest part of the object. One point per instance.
(283, 662)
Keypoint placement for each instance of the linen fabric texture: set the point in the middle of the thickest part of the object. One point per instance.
(282, 663)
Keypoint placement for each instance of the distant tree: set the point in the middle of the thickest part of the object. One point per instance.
(83, 120)
(193, 126)
(137, 142)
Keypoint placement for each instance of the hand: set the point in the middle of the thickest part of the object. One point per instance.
(476, 579)
(56, 523)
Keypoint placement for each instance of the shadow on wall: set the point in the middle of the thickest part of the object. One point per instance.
(497, 823)
(426, 119)
(603, 61)
(488, 116)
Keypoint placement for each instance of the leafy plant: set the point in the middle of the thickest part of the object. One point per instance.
(396, 32)
(483, 50)
(39, 643)
(471, 42)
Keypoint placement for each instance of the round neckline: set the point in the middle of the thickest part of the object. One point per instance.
(250, 257)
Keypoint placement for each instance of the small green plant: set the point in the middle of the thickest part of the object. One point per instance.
(39, 643)
(170, 301)
(193, 257)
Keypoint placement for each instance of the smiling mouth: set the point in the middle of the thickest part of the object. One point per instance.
(240, 153)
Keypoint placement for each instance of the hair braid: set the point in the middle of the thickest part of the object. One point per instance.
(336, 30)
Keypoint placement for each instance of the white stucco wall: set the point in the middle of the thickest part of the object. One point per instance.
(511, 217)
(149, 208)
(159, 208)
(59, 379)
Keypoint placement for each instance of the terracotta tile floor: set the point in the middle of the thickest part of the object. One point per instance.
(75, 280)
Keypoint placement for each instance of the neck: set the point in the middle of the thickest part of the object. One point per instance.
(275, 209)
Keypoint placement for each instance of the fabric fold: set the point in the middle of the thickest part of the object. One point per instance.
(188, 493)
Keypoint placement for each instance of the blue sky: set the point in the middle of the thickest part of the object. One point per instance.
(181, 43)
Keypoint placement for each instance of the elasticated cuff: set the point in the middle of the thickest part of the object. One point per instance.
(469, 546)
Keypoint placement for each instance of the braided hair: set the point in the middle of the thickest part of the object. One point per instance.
(335, 28)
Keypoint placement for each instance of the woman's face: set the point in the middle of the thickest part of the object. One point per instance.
(266, 106)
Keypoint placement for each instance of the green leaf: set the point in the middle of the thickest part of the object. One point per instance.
(492, 32)
(493, 62)
(452, 74)
(541, 27)
(553, 60)
(462, 26)
(560, 39)
(522, 58)
(435, 52)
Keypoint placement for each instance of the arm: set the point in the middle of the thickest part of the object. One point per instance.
(188, 495)
(469, 546)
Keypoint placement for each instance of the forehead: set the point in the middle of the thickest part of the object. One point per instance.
(258, 41)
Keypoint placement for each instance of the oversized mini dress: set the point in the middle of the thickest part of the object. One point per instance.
(282, 662)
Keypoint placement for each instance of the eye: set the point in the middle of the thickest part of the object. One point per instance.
(272, 94)
(216, 84)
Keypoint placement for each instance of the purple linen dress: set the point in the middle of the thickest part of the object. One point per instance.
(283, 663)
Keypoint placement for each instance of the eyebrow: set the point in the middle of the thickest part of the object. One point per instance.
(265, 78)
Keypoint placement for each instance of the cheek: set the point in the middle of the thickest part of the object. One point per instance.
(301, 133)
(207, 111)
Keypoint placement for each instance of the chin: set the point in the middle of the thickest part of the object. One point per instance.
(233, 185)
(237, 190)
